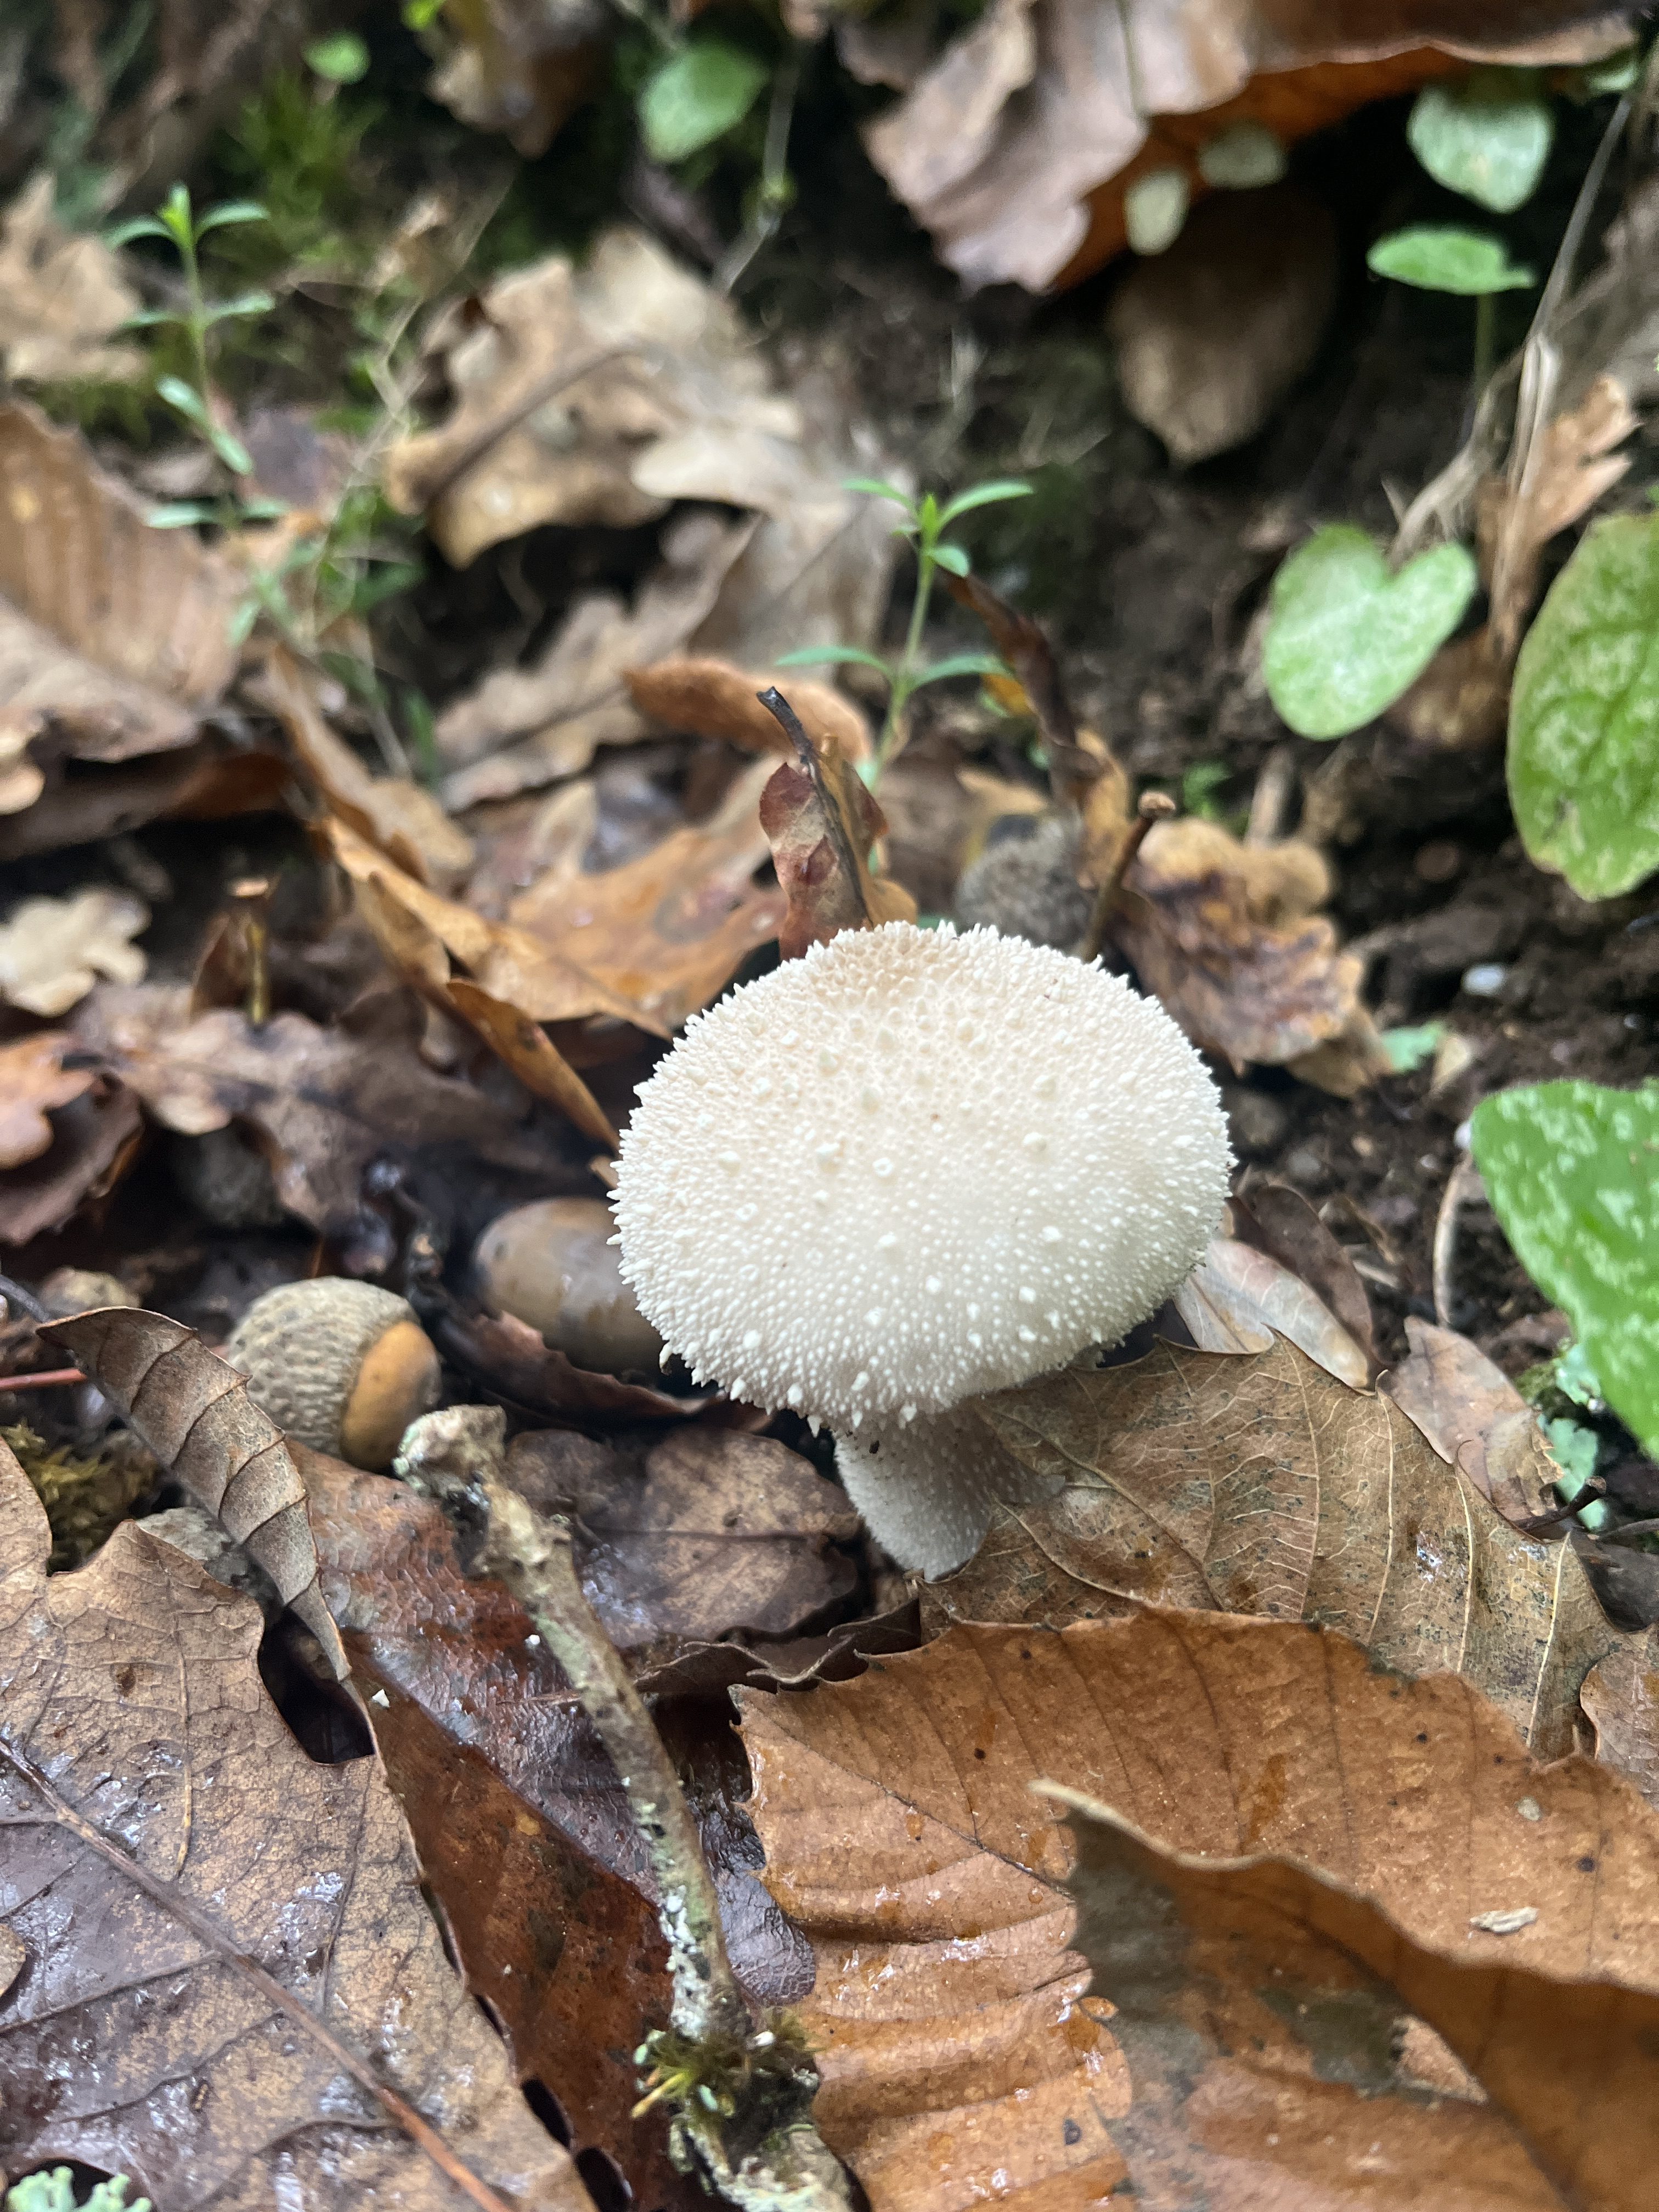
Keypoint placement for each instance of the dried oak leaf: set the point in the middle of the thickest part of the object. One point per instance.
(52, 950)
(194, 1413)
(1475, 1418)
(1016, 145)
(389, 812)
(667, 931)
(65, 298)
(117, 636)
(821, 822)
(232, 1986)
(958, 2059)
(703, 697)
(94, 1138)
(33, 1080)
(1261, 1485)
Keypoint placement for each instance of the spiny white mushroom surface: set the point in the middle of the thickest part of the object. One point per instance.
(928, 1492)
(913, 1166)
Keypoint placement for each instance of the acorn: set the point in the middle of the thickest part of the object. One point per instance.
(554, 1265)
(342, 1366)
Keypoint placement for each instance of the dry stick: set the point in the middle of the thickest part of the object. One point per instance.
(50, 1378)
(1270, 802)
(1463, 1186)
(1154, 806)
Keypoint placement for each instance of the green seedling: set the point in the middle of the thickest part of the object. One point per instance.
(702, 90)
(925, 524)
(1583, 770)
(1347, 635)
(1487, 135)
(1572, 1173)
(1155, 211)
(54, 2191)
(1407, 1050)
(191, 397)
(340, 58)
(1444, 258)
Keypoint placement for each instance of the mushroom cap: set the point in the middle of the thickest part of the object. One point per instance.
(913, 1166)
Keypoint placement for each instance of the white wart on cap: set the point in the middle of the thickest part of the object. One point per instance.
(914, 1166)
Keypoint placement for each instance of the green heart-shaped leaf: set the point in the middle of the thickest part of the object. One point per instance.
(696, 96)
(1487, 137)
(1584, 768)
(1573, 1172)
(1347, 635)
(1441, 257)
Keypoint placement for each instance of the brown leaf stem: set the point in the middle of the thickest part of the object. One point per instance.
(850, 866)
(1155, 805)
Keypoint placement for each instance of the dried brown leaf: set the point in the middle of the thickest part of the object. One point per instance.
(52, 950)
(821, 822)
(1237, 1298)
(703, 697)
(1475, 1418)
(207, 781)
(1570, 466)
(33, 1080)
(1261, 1485)
(95, 1139)
(65, 297)
(521, 67)
(117, 635)
(193, 1411)
(669, 930)
(389, 812)
(513, 1362)
(1279, 1221)
(166, 1832)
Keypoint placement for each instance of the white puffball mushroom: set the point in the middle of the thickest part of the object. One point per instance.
(928, 1492)
(909, 1168)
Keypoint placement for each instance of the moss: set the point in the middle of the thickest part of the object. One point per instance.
(84, 1498)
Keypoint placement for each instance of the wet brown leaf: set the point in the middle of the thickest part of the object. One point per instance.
(512, 1362)
(821, 822)
(116, 635)
(703, 1534)
(1261, 1485)
(669, 930)
(1475, 1418)
(1237, 1299)
(1345, 1849)
(194, 1413)
(389, 812)
(65, 297)
(166, 1832)
(52, 950)
(1015, 146)
(703, 697)
(33, 1080)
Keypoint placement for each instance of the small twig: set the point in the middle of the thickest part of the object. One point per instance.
(1270, 802)
(1589, 1493)
(846, 859)
(22, 1299)
(1630, 1531)
(1154, 806)
(253, 897)
(48, 1380)
(1463, 1185)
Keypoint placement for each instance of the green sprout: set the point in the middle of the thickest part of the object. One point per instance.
(1444, 258)
(925, 524)
(191, 397)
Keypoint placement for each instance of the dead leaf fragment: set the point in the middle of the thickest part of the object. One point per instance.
(1475, 1418)
(94, 1139)
(65, 298)
(117, 635)
(33, 1080)
(821, 822)
(315, 2037)
(522, 68)
(52, 950)
(1237, 1298)
(1261, 1485)
(708, 698)
(1569, 467)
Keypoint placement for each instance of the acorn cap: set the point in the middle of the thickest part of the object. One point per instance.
(341, 1366)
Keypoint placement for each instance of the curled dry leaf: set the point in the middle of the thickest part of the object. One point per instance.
(52, 950)
(509, 1360)
(194, 1413)
(116, 635)
(1015, 147)
(1475, 1418)
(703, 697)
(821, 822)
(389, 812)
(33, 1080)
(669, 930)
(65, 298)
(1237, 1298)
(522, 67)
(1261, 1485)
(94, 1138)
(165, 1830)
(1279, 1221)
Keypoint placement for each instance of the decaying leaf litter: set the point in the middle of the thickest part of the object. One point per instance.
(446, 652)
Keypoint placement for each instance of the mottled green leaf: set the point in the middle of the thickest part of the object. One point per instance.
(1583, 765)
(1347, 636)
(696, 96)
(1487, 136)
(1573, 1172)
(1241, 159)
(1155, 209)
(1441, 258)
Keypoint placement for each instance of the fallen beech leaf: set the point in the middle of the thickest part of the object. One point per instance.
(511, 1361)
(194, 1413)
(1016, 145)
(1237, 1298)
(669, 930)
(65, 297)
(509, 962)
(164, 1831)
(117, 635)
(52, 950)
(524, 727)
(707, 1532)
(706, 698)
(1213, 334)
(33, 1079)
(324, 1103)
(1261, 1485)
(821, 823)
(95, 1139)
(1475, 1418)
(391, 812)
(1620, 1700)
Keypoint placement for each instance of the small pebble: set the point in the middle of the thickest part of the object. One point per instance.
(1485, 980)
(1258, 1122)
(1304, 1166)
(1439, 861)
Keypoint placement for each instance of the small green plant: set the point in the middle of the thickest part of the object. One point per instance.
(925, 524)
(1572, 1173)
(191, 397)
(1348, 636)
(54, 2191)
(1487, 135)
(340, 58)
(1445, 258)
